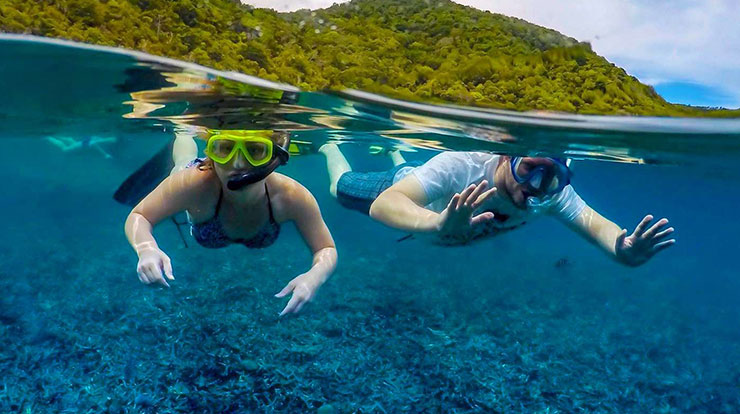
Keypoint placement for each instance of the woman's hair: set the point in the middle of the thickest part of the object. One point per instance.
(281, 138)
(206, 164)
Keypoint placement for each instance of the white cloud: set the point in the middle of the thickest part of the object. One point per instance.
(658, 41)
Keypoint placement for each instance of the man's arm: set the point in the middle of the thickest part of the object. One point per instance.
(402, 207)
(632, 250)
(596, 229)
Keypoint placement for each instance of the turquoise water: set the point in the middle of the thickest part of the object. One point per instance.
(535, 320)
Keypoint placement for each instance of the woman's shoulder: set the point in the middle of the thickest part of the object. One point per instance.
(285, 188)
(196, 181)
(288, 196)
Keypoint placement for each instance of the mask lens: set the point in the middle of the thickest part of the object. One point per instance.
(221, 148)
(554, 185)
(522, 168)
(537, 181)
(543, 177)
(259, 152)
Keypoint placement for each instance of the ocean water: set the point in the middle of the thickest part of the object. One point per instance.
(534, 320)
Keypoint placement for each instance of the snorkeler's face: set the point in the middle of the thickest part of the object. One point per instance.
(236, 166)
(519, 190)
(507, 185)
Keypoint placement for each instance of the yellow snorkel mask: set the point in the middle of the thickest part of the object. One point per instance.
(258, 148)
(255, 146)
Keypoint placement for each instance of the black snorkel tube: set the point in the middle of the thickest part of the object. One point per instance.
(280, 156)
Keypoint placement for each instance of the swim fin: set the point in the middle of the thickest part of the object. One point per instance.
(139, 184)
(406, 237)
(146, 178)
(378, 150)
(297, 147)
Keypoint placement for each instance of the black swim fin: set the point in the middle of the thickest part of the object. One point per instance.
(139, 184)
(406, 237)
(146, 178)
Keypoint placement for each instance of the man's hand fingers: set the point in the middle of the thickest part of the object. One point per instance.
(465, 194)
(667, 232)
(641, 227)
(654, 228)
(481, 218)
(287, 289)
(620, 238)
(484, 197)
(663, 245)
(473, 197)
(452, 205)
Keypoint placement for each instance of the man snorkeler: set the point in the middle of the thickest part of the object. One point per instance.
(466, 196)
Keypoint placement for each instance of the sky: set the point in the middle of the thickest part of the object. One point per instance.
(689, 50)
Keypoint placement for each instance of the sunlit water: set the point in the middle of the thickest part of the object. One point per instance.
(532, 320)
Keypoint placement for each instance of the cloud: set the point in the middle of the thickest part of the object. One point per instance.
(659, 41)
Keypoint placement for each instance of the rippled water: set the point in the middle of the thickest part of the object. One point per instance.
(532, 320)
(103, 88)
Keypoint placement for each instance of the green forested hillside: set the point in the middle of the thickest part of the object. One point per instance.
(431, 50)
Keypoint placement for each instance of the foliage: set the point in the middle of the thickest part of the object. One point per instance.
(426, 50)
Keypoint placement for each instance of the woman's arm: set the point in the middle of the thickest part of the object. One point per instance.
(172, 195)
(301, 207)
(168, 198)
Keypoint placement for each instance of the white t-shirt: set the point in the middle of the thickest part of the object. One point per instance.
(451, 172)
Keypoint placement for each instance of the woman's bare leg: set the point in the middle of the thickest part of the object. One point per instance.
(184, 149)
(396, 157)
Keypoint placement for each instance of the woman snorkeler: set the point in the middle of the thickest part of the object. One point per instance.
(233, 196)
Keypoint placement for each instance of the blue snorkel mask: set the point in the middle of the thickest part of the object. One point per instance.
(543, 180)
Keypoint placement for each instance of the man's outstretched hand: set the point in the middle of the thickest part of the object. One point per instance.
(642, 244)
(457, 219)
